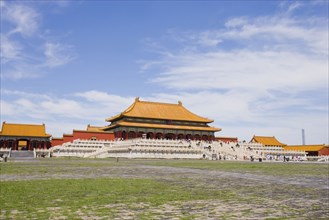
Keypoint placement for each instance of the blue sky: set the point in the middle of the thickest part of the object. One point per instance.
(255, 67)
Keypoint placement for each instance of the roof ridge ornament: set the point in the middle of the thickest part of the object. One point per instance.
(137, 99)
(180, 103)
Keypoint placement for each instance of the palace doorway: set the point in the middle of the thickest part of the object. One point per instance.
(23, 144)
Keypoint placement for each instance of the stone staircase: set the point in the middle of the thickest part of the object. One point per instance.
(22, 154)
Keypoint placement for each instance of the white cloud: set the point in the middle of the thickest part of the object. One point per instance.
(272, 52)
(104, 98)
(20, 73)
(80, 109)
(238, 114)
(39, 106)
(2, 4)
(7, 92)
(236, 22)
(57, 54)
(257, 74)
(7, 108)
(22, 37)
(260, 75)
(294, 6)
(24, 19)
(10, 50)
(246, 70)
(269, 32)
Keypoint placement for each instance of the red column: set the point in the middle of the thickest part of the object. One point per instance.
(15, 144)
(118, 134)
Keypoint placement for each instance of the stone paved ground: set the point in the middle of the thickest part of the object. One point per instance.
(288, 197)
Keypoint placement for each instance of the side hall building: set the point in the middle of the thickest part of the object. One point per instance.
(24, 136)
(311, 150)
(91, 133)
(267, 141)
(160, 121)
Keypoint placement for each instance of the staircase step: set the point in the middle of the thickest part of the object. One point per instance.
(22, 154)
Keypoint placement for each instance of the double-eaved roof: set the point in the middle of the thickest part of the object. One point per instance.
(23, 130)
(160, 111)
(157, 110)
(149, 125)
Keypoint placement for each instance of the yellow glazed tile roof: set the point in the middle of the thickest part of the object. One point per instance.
(267, 141)
(94, 128)
(157, 110)
(316, 147)
(178, 127)
(26, 130)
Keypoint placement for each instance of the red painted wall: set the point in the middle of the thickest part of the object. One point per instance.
(68, 138)
(226, 139)
(57, 141)
(89, 135)
(324, 151)
(85, 135)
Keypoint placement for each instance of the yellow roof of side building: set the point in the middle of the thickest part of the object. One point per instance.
(95, 128)
(315, 147)
(267, 141)
(92, 129)
(25, 130)
(156, 110)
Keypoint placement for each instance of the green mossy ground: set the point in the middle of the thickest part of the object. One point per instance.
(162, 189)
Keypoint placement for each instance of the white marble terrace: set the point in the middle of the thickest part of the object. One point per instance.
(168, 149)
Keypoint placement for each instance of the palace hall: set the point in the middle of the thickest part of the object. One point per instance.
(160, 121)
(24, 136)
